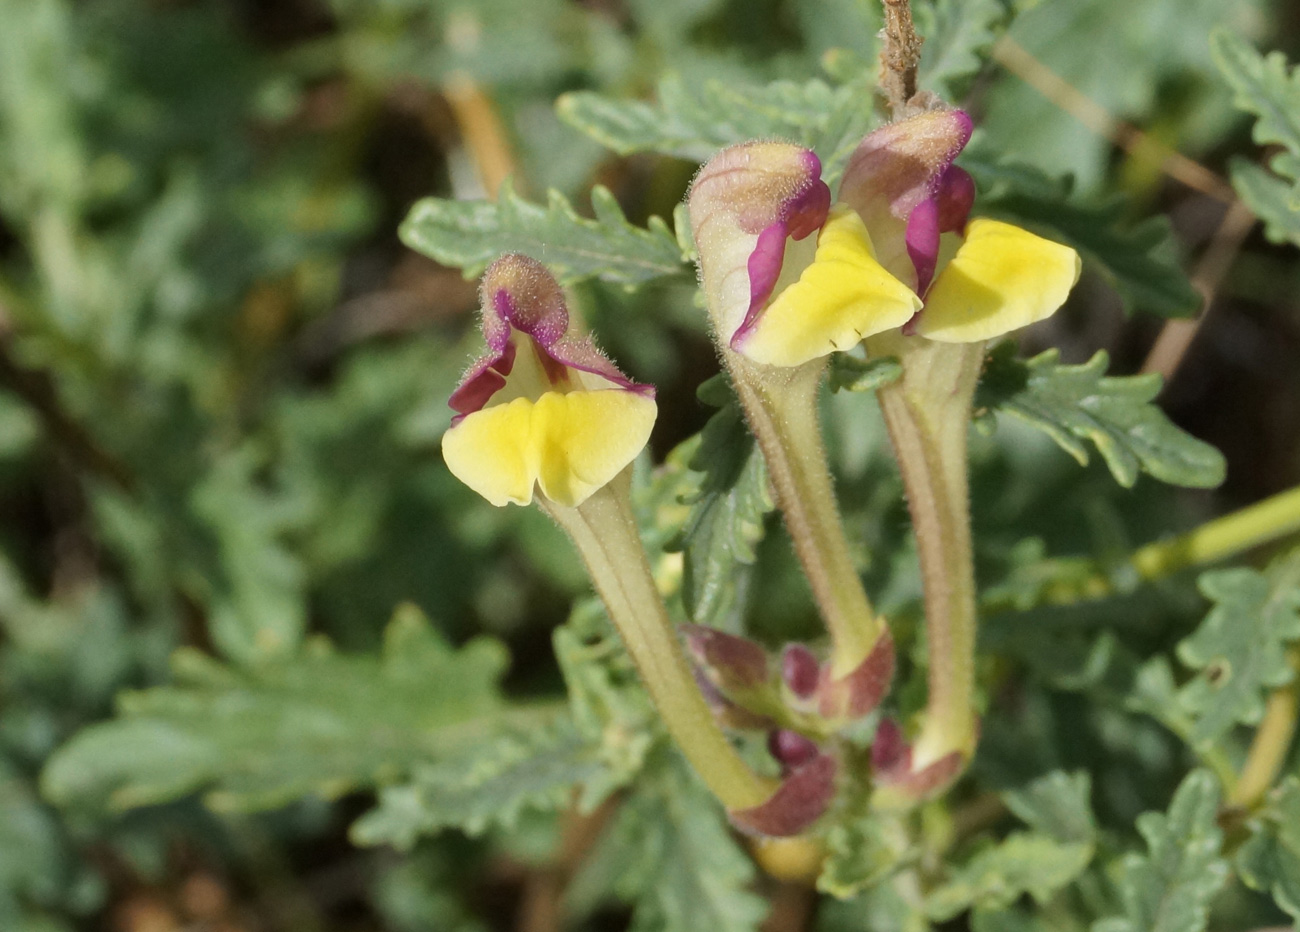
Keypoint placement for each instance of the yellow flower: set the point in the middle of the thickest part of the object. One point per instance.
(542, 410)
(897, 250)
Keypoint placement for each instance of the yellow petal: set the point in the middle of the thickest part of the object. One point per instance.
(582, 440)
(569, 444)
(843, 296)
(1001, 279)
(489, 452)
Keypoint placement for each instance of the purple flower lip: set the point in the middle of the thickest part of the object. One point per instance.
(519, 296)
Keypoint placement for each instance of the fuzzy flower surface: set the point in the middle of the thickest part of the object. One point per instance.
(896, 249)
(543, 409)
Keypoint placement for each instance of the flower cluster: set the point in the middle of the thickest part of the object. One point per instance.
(894, 263)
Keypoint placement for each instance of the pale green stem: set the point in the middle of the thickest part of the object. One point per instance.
(1271, 745)
(1232, 534)
(781, 407)
(604, 531)
(928, 415)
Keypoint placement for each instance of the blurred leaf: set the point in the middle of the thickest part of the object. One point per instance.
(1169, 889)
(670, 852)
(1137, 259)
(892, 905)
(862, 851)
(470, 234)
(727, 512)
(33, 862)
(1056, 805)
(254, 583)
(1241, 646)
(1269, 88)
(491, 784)
(958, 35)
(694, 122)
(315, 723)
(1268, 198)
(1039, 863)
(1269, 861)
(1072, 404)
(1025, 862)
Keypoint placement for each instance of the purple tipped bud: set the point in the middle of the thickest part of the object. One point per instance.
(857, 694)
(889, 750)
(792, 749)
(731, 662)
(800, 801)
(904, 786)
(800, 670)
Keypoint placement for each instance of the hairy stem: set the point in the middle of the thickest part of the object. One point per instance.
(928, 415)
(899, 56)
(604, 531)
(781, 407)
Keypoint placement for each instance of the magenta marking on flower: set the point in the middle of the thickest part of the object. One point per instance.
(520, 300)
(944, 211)
(802, 216)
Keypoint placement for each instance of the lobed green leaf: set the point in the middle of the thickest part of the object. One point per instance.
(1169, 888)
(1074, 404)
(313, 723)
(488, 785)
(1269, 861)
(1240, 648)
(1269, 88)
(670, 852)
(726, 521)
(958, 36)
(470, 234)
(695, 121)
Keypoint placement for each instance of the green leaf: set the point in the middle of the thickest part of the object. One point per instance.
(1056, 805)
(1268, 197)
(671, 853)
(1073, 404)
(1039, 863)
(1270, 860)
(1269, 88)
(1025, 862)
(33, 862)
(315, 723)
(1241, 646)
(470, 234)
(863, 851)
(958, 36)
(694, 121)
(849, 374)
(488, 785)
(1139, 260)
(727, 510)
(1169, 889)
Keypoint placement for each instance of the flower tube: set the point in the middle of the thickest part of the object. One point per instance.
(897, 263)
(544, 415)
(751, 207)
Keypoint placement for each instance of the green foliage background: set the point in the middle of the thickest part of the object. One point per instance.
(265, 665)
